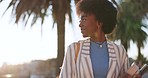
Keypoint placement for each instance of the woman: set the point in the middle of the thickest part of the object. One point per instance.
(95, 57)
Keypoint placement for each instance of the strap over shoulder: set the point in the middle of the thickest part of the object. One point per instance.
(77, 45)
(77, 48)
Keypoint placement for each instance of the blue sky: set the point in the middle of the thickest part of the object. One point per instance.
(19, 44)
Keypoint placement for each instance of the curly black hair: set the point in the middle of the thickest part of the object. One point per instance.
(103, 10)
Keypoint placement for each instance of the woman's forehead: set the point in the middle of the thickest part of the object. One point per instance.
(85, 14)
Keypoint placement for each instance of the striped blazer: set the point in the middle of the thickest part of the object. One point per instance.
(82, 67)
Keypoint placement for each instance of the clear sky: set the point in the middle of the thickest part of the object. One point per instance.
(19, 44)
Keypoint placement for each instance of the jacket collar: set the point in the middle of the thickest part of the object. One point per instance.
(111, 50)
(85, 53)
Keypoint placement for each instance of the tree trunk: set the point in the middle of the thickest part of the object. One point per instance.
(61, 43)
(60, 17)
(125, 45)
(139, 58)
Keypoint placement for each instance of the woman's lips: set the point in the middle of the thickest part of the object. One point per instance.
(82, 30)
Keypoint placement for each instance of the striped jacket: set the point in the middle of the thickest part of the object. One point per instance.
(82, 67)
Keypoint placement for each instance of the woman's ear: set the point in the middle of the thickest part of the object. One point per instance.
(99, 24)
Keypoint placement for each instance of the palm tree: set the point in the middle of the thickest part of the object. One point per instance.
(129, 26)
(140, 40)
(141, 11)
(23, 9)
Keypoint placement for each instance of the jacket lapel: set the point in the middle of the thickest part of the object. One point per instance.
(112, 60)
(86, 61)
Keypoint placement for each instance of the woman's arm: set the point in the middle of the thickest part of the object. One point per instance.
(68, 66)
(126, 67)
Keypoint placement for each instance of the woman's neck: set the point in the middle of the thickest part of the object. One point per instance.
(99, 37)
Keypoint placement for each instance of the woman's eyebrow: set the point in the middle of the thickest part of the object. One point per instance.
(83, 16)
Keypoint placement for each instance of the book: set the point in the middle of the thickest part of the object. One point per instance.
(135, 69)
(142, 70)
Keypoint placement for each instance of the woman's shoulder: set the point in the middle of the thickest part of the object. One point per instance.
(115, 44)
(118, 46)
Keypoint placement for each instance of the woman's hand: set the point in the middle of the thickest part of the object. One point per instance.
(129, 76)
(137, 76)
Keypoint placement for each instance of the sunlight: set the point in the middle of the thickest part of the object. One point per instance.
(18, 46)
(8, 75)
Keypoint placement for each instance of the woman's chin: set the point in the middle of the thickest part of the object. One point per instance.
(85, 36)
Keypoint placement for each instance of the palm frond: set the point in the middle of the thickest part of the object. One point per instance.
(53, 24)
(12, 3)
(69, 10)
(38, 8)
(27, 16)
(1, 0)
(34, 20)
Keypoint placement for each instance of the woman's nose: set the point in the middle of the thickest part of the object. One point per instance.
(80, 23)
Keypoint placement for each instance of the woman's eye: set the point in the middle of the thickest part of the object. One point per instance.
(83, 19)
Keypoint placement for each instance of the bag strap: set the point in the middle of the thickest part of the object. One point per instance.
(77, 51)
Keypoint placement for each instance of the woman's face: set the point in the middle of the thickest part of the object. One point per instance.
(88, 25)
